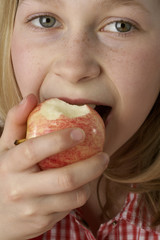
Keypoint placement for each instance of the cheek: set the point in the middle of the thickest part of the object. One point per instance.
(27, 67)
(138, 85)
(136, 77)
(136, 73)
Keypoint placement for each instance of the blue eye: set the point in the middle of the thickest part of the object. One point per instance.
(45, 22)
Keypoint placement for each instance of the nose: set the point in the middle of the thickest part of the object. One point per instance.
(76, 61)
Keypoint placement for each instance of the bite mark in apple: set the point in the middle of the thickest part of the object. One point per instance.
(53, 115)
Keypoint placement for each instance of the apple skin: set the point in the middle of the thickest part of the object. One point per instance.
(91, 123)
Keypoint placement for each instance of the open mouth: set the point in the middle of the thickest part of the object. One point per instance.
(103, 111)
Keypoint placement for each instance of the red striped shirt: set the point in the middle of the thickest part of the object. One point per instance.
(132, 223)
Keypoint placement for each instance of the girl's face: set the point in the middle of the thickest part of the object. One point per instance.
(105, 52)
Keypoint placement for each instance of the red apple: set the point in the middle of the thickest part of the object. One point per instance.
(53, 115)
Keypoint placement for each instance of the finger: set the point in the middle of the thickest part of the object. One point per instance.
(29, 153)
(64, 201)
(66, 179)
(15, 125)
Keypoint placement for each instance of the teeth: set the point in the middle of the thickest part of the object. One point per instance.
(92, 105)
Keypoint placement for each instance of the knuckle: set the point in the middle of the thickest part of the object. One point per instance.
(29, 151)
(66, 181)
(30, 211)
(14, 194)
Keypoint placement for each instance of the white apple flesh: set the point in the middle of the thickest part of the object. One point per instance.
(53, 115)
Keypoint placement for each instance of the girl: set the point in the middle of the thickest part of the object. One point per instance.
(105, 53)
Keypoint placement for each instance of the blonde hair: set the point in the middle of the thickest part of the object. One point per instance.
(138, 163)
(9, 92)
(140, 156)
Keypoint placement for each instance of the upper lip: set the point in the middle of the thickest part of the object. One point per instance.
(81, 101)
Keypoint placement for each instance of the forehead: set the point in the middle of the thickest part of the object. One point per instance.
(150, 6)
(98, 1)
(101, 2)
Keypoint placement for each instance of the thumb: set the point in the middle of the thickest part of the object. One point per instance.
(15, 125)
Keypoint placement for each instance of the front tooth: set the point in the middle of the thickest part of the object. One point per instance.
(92, 105)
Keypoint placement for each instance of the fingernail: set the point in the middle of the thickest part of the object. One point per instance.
(77, 134)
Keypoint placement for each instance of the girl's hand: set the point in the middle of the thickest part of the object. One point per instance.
(32, 201)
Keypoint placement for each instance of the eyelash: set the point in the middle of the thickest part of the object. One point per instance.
(133, 27)
(37, 17)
